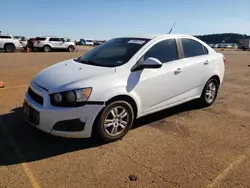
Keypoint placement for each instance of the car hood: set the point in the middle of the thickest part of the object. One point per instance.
(63, 74)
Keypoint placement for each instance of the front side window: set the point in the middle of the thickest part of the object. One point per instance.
(192, 48)
(114, 52)
(165, 51)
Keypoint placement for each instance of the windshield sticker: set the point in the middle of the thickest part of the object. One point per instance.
(119, 62)
(137, 41)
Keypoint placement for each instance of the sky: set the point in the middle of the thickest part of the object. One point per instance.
(105, 19)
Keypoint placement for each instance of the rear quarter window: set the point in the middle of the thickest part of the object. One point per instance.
(205, 50)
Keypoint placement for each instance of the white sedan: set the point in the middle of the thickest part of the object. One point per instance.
(102, 92)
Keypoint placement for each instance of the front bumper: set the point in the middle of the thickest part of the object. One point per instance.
(50, 116)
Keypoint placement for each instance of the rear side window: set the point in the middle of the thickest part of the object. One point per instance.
(5, 37)
(192, 48)
(40, 38)
(55, 39)
(165, 51)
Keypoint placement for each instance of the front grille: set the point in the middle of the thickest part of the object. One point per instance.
(35, 96)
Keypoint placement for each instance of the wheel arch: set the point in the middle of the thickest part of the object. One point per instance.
(126, 98)
(217, 78)
(119, 97)
(47, 45)
(9, 43)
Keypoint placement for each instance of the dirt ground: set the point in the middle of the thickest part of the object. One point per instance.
(179, 147)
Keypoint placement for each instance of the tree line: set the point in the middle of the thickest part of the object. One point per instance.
(223, 37)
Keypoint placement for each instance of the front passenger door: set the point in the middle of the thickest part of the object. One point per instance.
(159, 88)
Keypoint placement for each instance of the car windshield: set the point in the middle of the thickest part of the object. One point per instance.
(113, 53)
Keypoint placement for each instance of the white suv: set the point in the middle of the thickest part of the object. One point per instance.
(48, 44)
(9, 44)
(102, 92)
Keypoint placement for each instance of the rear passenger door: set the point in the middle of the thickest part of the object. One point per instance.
(195, 61)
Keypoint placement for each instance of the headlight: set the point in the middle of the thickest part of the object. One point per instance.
(57, 97)
(71, 98)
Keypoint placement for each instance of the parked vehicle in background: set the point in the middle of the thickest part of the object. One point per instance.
(245, 45)
(9, 44)
(234, 46)
(144, 75)
(78, 42)
(87, 42)
(24, 41)
(97, 42)
(48, 44)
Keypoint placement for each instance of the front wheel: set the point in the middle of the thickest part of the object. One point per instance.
(114, 121)
(209, 93)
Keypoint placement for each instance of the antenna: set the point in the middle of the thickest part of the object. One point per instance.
(171, 28)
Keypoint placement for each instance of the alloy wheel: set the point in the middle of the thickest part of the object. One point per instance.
(116, 121)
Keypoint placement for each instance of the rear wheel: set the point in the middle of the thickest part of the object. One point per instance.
(9, 48)
(71, 48)
(114, 121)
(209, 93)
(46, 48)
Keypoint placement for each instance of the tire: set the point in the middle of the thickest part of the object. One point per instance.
(209, 93)
(116, 125)
(71, 48)
(9, 47)
(46, 48)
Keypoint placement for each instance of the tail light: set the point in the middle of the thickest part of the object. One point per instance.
(38, 42)
(224, 60)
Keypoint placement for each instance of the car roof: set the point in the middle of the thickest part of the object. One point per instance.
(159, 36)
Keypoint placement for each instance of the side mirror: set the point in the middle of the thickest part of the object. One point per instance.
(149, 63)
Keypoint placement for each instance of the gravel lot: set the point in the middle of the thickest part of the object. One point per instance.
(179, 147)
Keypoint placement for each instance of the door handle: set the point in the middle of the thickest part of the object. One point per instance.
(206, 62)
(177, 71)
